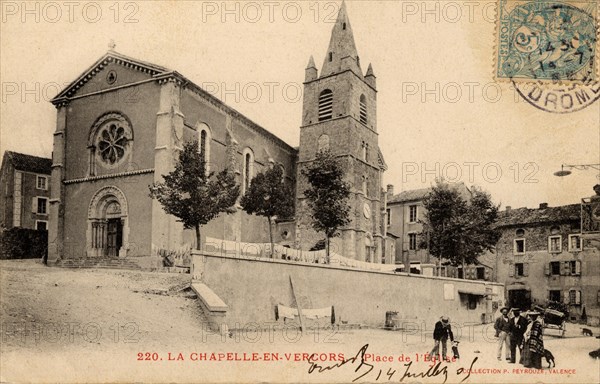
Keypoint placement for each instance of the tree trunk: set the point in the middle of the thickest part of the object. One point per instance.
(198, 244)
(327, 250)
(464, 269)
(270, 235)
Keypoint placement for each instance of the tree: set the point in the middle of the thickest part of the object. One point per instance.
(459, 230)
(327, 195)
(269, 196)
(192, 195)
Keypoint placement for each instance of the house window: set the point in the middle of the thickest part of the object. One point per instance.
(520, 232)
(40, 205)
(248, 170)
(363, 109)
(330, 56)
(519, 269)
(41, 225)
(555, 244)
(574, 243)
(412, 214)
(388, 216)
(412, 241)
(575, 267)
(554, 296)
(480, 273)
(555, 268)
(41, 183)
(575, 297)
(326, 105)
(519, 247)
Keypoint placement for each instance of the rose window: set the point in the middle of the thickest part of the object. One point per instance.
(112, 143)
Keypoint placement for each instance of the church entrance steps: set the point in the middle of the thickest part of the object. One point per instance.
(99, 262)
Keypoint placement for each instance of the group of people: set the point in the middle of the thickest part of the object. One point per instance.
(524, 334)
(517, 332)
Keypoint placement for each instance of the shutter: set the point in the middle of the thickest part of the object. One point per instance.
(566, 297)
(525, 269)
(578, 297)
(547, 269)
(34, 205)
(577, 267)
(511, 270)
(486, 274)
(564, 268)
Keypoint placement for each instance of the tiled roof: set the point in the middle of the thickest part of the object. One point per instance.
(29, 163)
(522, 216)
(420, 194)
(413, 194)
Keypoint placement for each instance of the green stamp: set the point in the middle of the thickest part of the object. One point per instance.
(547, 40)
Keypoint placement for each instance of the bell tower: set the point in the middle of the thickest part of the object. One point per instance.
(340, 113)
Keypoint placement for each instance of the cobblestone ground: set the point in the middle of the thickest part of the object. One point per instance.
(61, 325)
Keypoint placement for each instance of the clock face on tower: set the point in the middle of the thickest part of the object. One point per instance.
(367, 211)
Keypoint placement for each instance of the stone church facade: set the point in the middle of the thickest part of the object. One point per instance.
(122, 122)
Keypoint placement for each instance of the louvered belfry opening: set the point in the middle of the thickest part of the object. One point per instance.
(325, 105)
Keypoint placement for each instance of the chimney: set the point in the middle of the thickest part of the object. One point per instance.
(508, 208)
(543, 205)
(390, 190)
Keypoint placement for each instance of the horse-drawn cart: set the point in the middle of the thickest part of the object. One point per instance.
(553, 320)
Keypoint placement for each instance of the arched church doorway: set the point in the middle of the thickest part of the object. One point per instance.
(108, 224)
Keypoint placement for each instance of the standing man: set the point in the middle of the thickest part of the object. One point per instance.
(517, 328)
(441, 333)
(502, 329)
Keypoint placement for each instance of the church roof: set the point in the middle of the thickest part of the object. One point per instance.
(342, 53)
(159, 72)
(110, 56)
(28, 163)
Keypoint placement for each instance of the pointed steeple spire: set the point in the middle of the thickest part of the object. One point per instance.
(342, 54)
(310, 73)
(370, 77)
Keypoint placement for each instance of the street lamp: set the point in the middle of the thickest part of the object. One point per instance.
(565, 169)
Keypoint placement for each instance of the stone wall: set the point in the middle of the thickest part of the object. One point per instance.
(252, 288)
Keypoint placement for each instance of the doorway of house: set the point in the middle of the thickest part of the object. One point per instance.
(519, 298)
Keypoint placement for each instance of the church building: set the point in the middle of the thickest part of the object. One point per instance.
(122, 122)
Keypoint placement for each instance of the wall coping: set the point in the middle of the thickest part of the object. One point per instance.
(210, 299)
(200, 253)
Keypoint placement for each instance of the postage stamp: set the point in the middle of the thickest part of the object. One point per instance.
(547, 41)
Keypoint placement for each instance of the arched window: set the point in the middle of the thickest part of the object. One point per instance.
(323, 143)
(204, 139)
(248, 170)
(325, 105)
(520, 232)
(363, 109)
(365, 151)
(365, 185)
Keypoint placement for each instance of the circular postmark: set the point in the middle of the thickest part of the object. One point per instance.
(559, 98)
(548, 41)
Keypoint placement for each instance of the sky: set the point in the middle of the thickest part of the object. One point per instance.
(440, 110)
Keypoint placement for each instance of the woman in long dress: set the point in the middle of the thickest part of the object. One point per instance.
(535, 341)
